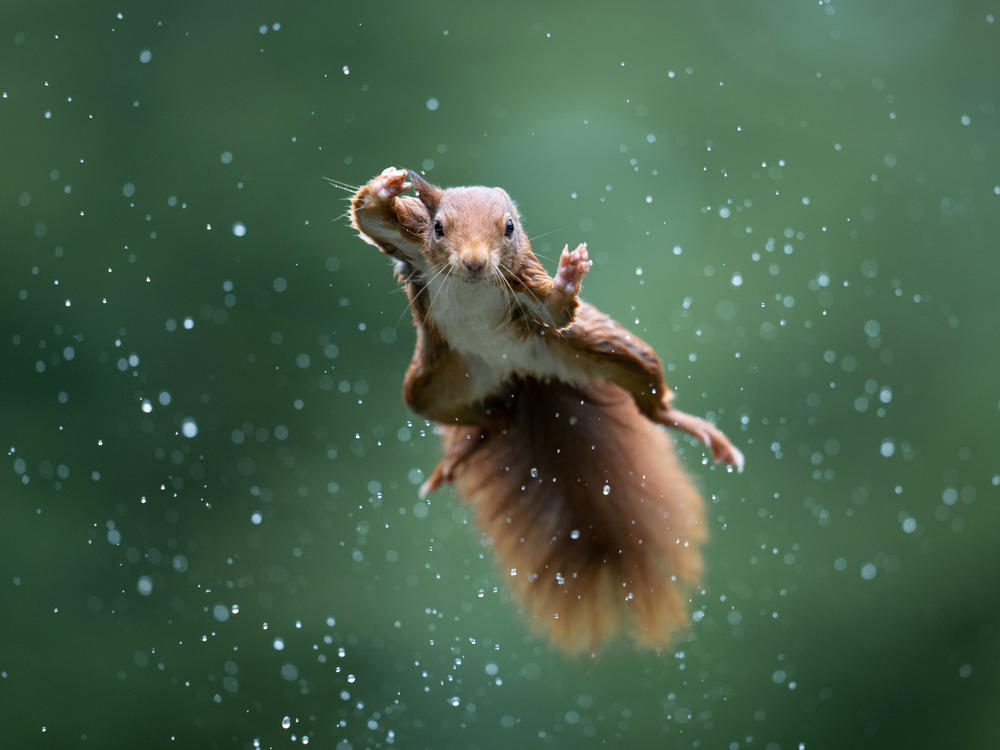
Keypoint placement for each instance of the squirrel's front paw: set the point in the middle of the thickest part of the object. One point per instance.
(573, 266)
(388, 185)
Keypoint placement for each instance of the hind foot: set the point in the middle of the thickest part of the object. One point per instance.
(461, 445)
(722, 449)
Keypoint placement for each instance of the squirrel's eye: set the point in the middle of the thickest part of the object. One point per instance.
(438, 229)
(509, 231)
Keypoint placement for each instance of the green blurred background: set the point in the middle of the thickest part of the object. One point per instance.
(209, 529)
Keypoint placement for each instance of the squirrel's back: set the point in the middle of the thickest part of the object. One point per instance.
(590, 514)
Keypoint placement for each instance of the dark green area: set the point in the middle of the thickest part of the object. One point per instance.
(828, 170)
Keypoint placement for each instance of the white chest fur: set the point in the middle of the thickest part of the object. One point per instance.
(473, 320)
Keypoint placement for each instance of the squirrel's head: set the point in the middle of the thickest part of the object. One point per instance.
(474, 232)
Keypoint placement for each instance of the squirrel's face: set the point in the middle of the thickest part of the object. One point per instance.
(475, 233)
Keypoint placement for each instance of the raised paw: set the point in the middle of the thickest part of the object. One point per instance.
(573, 266)
(389, 184)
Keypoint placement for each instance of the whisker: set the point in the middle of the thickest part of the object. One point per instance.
(444, 285)
(417, 295)
(504, 286)
(543, 234)
(342, 185)
(526, 289)
(408, 308)
(538, 301)
(543, 256)
(520, 305)
(513, 294)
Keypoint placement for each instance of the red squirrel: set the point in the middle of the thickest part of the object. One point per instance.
(550, 414)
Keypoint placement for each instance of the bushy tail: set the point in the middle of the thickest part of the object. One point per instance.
(589, 512)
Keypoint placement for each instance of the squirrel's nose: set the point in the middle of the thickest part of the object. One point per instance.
(474, 266)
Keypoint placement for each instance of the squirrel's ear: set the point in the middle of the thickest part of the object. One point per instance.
(429, 194)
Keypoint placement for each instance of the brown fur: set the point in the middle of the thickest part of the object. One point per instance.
(539, 474)
(534, 455)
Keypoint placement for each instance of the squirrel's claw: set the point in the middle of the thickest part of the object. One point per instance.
(461, 446)
(442, 473)
(727, 453)
(573, 266)
(429, 486)
(738, 460)
(390, 183)
(722, 449)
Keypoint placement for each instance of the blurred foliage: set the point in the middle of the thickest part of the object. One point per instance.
(210, 529)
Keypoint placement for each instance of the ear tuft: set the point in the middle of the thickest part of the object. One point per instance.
(430, 195)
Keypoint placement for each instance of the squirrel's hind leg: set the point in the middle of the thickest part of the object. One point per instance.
(621, 358)
(460, 443)
(722, 449)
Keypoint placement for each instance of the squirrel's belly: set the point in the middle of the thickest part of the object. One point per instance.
(473, 321)
(494, 360)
